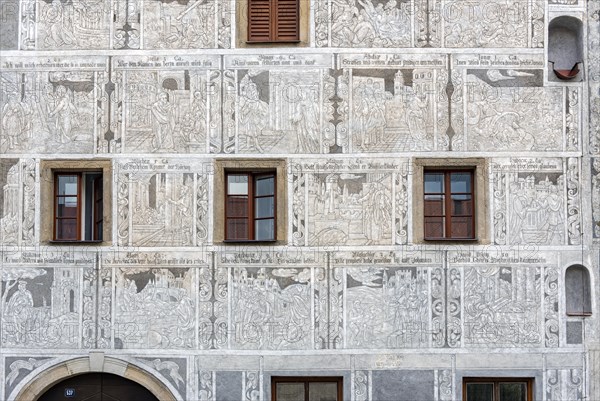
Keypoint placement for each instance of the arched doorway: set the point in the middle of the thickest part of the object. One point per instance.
(97, 387)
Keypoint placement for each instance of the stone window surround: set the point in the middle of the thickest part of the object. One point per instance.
(241, 26)
(480, 168)
(253, 165)
(47, 170)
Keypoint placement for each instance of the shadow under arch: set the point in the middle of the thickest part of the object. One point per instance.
(32, 389)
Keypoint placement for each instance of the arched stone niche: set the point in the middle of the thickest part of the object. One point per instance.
(32, 389)
(578, 291)
(565, 48)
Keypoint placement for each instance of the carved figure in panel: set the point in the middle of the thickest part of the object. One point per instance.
(387, 307)
(171, 369)
(40, 307)
(271, 308)
(350, 208)
(278, 111)
(9, 201)
(537, 209)
(75, 24)
(154, 308)
(371, 23)
(163, 209)
(59, 107)
(505, 108)
(488, 23)
(502, 306)
(393, 110)
(180, 24)
(166, 111)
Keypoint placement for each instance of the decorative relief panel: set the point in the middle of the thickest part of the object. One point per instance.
(184, 24)
(97, 307)
(564, 384)
(386, 299)
(277, 103)
(596, 199)
(349, 203)
(53, 104)
(61, 25)
(502, 306)
(593, 77)
(493, 23)
(162, 202)
(396, 102)
(41, 300)
(165, 104)
(172, 369)
(154, 304)
(17, 201)
(505, 106)
(17, 368)
(538, 201)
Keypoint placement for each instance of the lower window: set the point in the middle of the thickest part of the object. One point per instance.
(306, 388)
(497, 389)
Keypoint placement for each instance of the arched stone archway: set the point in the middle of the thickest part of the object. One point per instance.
(96, 362)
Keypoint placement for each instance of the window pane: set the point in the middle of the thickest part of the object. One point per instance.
(434, 205)
(264, 207)
(67, 185)
(434, 227)
(67, 207)
(434, 182)
(480, 391)
(322, 392)
(290, 391)
(460, 182)
(265, 186)
(462, 227)
(237, 229)
(513, 391)
(237, 206)
(462, 205)
(264, 230)
(237, 184)
(66, 229)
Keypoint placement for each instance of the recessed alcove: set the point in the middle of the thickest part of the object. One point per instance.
(578, 295)
(565, 49)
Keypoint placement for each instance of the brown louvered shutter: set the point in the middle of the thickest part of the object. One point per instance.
(273, 20)
(286, 23)
(259, 20)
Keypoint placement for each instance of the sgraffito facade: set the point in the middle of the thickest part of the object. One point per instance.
(164, 98)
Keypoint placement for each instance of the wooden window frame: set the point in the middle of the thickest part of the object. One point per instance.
(253, 176)
(274, 20)
(80, 216)
(307, 380)
(497, 380)
(447, 194)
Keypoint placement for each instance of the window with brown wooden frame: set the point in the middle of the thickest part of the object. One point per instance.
(78, 208)
(309, 388)
(273, 21)
(449, 207)
(250, 206)
(497, 389)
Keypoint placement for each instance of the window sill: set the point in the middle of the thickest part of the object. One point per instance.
(270, 42)
(55, 241)
(451, 239)
(579, 314)
(249, 241)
